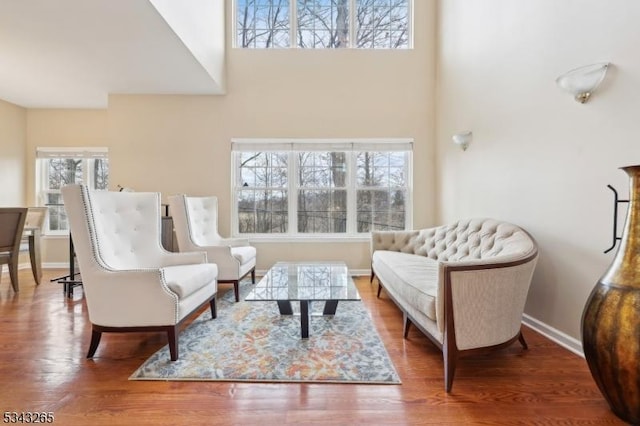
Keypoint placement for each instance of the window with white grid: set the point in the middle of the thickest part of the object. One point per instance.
(320, 187)
(57, 167)
(368, 24)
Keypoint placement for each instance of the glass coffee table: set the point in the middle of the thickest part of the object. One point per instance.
(305, 282)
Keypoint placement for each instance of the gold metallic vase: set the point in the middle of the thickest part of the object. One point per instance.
(611, 318)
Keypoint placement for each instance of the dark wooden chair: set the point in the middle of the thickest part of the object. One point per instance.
(11, 229)
(31, 239)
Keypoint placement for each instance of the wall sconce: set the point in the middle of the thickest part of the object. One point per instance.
(463, 139)
(582, 82)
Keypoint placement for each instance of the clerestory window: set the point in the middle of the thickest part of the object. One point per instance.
(365, 24)
(339, 188)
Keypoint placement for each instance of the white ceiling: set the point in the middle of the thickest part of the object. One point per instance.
(73, 53)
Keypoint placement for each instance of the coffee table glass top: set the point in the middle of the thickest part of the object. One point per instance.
(305, 281)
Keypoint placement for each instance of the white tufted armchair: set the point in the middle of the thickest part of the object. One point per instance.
(130, 282)
(464, 285)
(195, 220)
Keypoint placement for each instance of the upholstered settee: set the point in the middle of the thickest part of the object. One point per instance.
(464, 285)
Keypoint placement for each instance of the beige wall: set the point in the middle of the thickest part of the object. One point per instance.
(539, 158)
(177, 144)
(181, 144)
(13, 129)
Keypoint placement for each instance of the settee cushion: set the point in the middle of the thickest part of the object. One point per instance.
(414, 279)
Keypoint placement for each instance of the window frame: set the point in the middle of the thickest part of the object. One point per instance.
(351, 147)
(43, 155)
(353, 31)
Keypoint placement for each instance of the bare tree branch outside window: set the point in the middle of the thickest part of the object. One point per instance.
(321, 189)
(262, 23)
(322, 194)
(263, 196)
(65, 171)
(380, 24)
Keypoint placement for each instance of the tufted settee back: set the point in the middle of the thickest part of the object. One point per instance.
(465, 240)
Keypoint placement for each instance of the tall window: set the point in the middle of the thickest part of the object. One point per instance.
(328, 187)
(58, 167)
(372, 24)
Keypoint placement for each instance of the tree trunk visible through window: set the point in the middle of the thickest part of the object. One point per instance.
(322, 186)
(322, 23)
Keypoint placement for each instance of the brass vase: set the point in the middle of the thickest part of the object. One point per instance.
(611, 318)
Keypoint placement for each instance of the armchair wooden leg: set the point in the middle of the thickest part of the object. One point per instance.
(522, 341)
(95, 341)
(450, 358)
(379, 289)
(253, 275)
(212, 303)
(172, 334)
(406, 326)
(373, 275)
(236, 289)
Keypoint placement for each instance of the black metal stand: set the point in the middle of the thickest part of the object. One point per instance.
(616, 201)
(69, 281)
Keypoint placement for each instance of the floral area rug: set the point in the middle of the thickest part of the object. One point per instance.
(251, 341)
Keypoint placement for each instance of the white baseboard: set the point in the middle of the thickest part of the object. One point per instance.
(570, 343)
(26, 265)
(55, 265)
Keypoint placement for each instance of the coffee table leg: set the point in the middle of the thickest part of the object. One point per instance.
(285, 307)
(304, 318)
(330, 307)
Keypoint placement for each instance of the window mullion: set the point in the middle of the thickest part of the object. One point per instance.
(293, 23)
(352, 23)
(352, 214)
(235, 171)
(87, 174)
(293, 186)
(408, 167)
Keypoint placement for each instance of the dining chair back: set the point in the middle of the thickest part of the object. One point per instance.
(35, 217)
(11, 228)
(31, 239)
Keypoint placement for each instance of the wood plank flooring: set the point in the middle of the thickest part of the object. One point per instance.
(44, 338)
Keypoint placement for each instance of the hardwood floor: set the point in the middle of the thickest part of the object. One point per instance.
(44, 338)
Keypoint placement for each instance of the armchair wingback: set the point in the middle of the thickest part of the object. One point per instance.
(464, 285)
(130, 282)
(196, 226)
